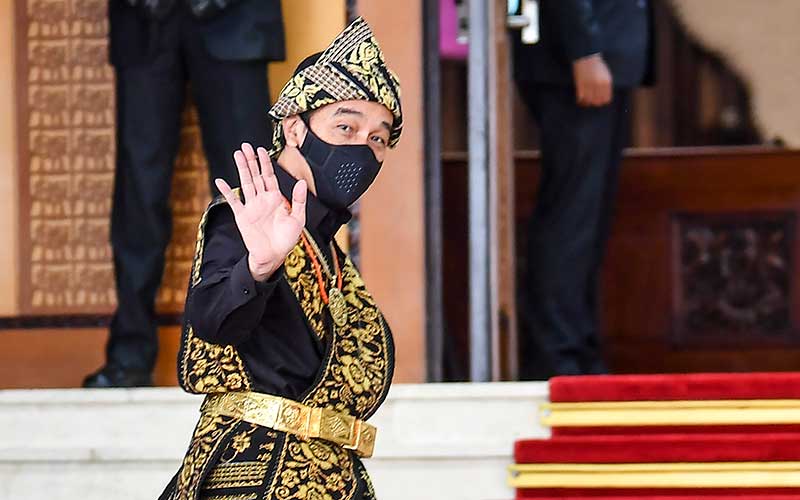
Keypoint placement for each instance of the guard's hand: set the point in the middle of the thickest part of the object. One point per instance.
(269, 228)
(593, 81)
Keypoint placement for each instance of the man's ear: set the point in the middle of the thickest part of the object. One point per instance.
(294, 130)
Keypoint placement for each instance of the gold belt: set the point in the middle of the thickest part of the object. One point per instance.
(296, 418)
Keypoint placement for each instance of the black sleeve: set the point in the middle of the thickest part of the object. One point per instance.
(227, 304)
(576, 25)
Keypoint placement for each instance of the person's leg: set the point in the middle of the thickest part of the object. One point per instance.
(593, 361)
(232, 100)
(575, 150)
(149, 102)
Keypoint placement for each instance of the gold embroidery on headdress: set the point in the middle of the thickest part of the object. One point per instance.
(351, 68)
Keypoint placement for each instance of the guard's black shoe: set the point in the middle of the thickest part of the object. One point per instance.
(117, 376)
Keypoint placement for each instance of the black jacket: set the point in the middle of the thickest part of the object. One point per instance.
(262, 319)
(248, 30)
(620, 30)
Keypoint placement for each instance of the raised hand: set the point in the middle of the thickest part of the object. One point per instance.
(269, 228)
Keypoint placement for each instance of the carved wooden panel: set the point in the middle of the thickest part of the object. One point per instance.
(66, 143)
(733, 278)
(748, 199)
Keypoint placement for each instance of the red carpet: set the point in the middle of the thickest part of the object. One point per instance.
(655, 429)
(700, 386)
(660, 448)
(752, 460)
(716, 494)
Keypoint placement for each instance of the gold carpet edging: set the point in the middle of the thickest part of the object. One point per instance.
(657, 475)
(666, 413)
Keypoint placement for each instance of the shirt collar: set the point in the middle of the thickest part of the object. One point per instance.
(322, 221)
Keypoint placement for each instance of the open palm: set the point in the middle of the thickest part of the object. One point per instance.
(269, 227)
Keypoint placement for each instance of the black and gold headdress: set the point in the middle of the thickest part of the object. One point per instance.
(351, 68)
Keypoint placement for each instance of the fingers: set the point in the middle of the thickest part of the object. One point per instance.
(245, 177)
(252, 165)
(587, 93)
(299, 196)
(608, 93)
(593, 94)
(603, 93)
(580, 94)
(230, 196)
(267, 172)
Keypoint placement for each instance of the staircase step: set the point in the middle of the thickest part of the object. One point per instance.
(663, 448)
(689, 494)
(681, 387)
(126, 444)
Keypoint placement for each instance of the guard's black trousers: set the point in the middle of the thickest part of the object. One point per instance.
(232, 100)
(581, 153)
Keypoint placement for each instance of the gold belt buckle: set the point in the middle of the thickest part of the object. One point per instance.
(347, 431)
(337, 427)
(365, 439)
(295, 418)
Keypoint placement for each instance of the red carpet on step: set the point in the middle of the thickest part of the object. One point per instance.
(699, 386)
(660, 449)
(664, 494)
(703, 443)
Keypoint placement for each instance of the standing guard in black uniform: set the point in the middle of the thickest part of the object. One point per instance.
(577, 82)
(156, 46)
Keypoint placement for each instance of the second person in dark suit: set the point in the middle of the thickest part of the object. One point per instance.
(222, 48)
(576, 82)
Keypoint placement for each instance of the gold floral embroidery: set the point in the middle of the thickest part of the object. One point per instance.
(299, 274)
(362, 473)
(354, 378)
(204, 367)
(359, 369)
(301, 90)
(208, 368)
(268, 446)
(351, 68)
(313, 470)
(240, 443)
(209, 434)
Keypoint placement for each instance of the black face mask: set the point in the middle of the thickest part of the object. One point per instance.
(342, 173)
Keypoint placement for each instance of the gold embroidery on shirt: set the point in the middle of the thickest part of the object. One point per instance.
(358, 370)
(300, 275)
(243, 496)
(354, 378)
(268, 446)
(208, 368)
(236, 475)
(209, 434)
(370, 493)
(240, 443)
(205, 367)
(313, 469)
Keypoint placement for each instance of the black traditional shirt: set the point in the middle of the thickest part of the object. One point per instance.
(283, 336)
(278, 337)
(262, 319)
